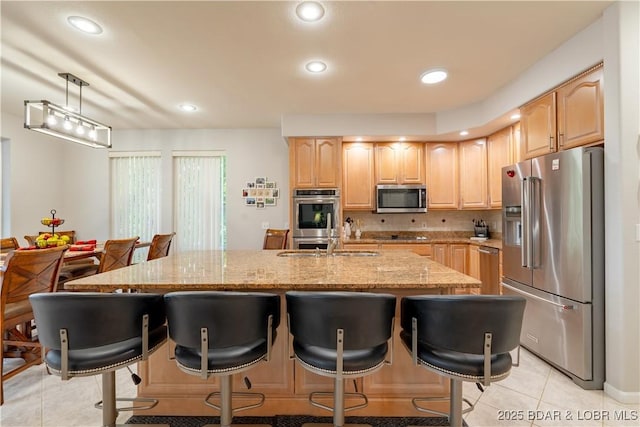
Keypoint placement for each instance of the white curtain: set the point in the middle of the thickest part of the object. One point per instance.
(135, 196)
(199, 198)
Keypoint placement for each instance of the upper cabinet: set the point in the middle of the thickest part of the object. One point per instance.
(538, 125)
(581, 110)
(473, 174)
(570, 116)
(357, 176)
(502, 148)
(399, 163)
(442, 175)
(315, 162)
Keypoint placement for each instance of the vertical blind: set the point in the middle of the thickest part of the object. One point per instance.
(199, 199)
(135, 196)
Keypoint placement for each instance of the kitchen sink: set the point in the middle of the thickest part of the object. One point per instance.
(323, 253)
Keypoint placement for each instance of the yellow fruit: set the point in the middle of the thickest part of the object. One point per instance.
(61, 243)
(65, 238)
(41, 243)
(41, 237)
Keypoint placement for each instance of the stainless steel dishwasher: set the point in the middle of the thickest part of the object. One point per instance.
(489, 270)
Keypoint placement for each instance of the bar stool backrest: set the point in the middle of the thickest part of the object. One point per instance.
(224, 314)
(94, 319)
(365, 318)
(160, 245)
(458, 322)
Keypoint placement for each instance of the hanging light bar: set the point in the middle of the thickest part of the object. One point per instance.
(61, 122)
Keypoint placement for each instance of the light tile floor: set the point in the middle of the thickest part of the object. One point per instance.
(534, 395)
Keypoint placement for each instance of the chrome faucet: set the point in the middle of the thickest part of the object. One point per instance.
(332, 242)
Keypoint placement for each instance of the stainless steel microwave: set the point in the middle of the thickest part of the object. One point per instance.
(401, 198)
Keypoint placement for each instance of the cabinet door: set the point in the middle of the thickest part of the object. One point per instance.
(581, 111)
(357, 176)
(442, 175)
(327, 165)
(386, 164)
(474, 262)
(516, 145)
(473, 174)
(412, 163)
(538, 126)
(440, 253)
(458, 257)
(303, 162)
(498, 156)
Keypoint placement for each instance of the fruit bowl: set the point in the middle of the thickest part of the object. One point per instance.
(52, 222)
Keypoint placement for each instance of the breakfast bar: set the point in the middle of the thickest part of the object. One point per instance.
(285, 384)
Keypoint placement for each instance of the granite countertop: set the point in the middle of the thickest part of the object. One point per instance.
(392, 237)
(265, 270)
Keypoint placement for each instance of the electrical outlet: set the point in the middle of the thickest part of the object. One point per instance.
(265, 225)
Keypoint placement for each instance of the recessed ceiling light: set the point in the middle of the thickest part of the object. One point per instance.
(464, 133)
(359, 139)
(188, 107)
(433, 76)
(316, 66)
(84, 24)
(516, 116)
(402, 138)
(310, 11)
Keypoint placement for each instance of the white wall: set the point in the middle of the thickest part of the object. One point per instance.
(621, 36)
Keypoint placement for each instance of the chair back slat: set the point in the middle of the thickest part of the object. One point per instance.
(275, 239)
(160, 245)
(8, 244)
(29, 272)
(117, 253)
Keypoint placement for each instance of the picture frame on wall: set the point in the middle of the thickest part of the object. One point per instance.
(269, 201)
(250, 201)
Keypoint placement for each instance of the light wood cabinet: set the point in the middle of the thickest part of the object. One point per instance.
(440, 253)
(314, 162)
(458, 259)
(473, 174)
(499, 154)
(538, 126)
(570, 116)
(399, 163)
(357, 176)
(581, 110)
(474, 262)
(442, 175)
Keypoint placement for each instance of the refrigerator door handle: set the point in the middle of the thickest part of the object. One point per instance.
(526, 237)
(535, 203)
(529, 295)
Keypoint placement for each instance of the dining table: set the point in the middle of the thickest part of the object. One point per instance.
(78, 254)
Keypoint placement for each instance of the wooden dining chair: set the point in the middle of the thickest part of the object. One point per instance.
(117, 253)
(160, 245)
(26, 272)
(8, 244)
(275, 239)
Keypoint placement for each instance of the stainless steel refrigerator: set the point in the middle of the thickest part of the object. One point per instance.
(553, 255)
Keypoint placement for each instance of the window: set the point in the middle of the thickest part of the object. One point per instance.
(199, 200)
(135, 196)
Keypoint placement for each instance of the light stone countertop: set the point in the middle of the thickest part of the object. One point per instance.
(264, 270)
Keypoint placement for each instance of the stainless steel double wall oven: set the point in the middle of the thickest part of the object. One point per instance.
(312, 209)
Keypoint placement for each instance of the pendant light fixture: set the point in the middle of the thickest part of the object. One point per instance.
(62, 122)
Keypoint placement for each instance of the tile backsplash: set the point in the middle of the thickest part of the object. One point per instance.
(430, 221)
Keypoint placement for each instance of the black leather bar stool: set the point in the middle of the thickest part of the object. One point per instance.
(341, 335)
(221, 334)
(463, 338)
(89, 333)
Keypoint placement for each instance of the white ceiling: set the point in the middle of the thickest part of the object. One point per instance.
(242, 62)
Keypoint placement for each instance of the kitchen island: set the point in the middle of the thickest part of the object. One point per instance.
(286, 384)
